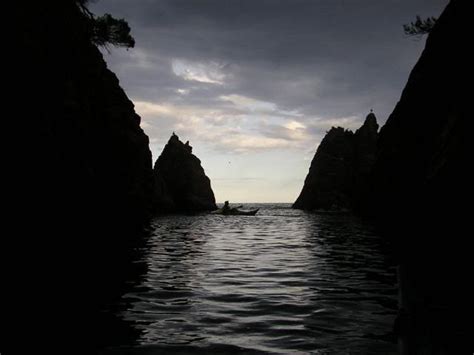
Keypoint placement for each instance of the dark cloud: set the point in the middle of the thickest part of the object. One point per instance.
(325, 59)
(259, 82)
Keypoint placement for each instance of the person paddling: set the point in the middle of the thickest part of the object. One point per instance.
(226, 209)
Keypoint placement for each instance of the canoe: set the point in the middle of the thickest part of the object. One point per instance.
(236, 212)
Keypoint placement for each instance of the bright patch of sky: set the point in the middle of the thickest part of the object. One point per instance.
(201, 72)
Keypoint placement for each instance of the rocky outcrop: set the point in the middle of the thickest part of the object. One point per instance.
(337, 178)
(84, 179)
(422, 190)
(181, 185)
(365, 146)
(88, 142)
(328, 183)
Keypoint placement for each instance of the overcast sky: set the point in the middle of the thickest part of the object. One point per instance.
(255, 84)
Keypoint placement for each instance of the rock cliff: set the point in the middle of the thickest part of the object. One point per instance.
(88, 142)
(422, 191)
(84, 178)
(181, 185)
(365, 146)
(337, 178)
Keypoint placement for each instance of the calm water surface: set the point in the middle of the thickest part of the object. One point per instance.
(283, 281)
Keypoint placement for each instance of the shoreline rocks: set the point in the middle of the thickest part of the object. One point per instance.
(337, 178)
(84, 188)
(421, 187)
(181, 185)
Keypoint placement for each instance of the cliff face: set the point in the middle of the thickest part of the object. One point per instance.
(86, 176)
(338, 174)
(365, 146)
(327, 185)
(422, 147)
(422, 188)
(88, 139)
(181, 183)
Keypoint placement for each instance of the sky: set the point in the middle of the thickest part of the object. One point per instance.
(255, 84)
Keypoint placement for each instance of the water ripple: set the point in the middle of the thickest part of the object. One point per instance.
(284, 281)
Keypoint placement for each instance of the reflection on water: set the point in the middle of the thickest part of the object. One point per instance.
(284, 281)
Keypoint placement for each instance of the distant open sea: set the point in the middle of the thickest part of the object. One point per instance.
(284, 281)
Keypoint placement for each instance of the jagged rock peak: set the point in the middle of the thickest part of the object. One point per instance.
(337, 178)
(371, 121)
(368, 131)
(175, 142)
(181, 184)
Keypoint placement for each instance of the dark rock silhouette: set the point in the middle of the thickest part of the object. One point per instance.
(181, 185)
(422, 192)
(337, 178)
(84, 186)
(365, 142)
(329, 181)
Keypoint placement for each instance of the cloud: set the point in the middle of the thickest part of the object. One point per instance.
(260, 78)
(249, 104)
(237, 131)
(249, 129)
(291, 131)
(209, 73)
(317, 58)
(182, 91)
(294, 126)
